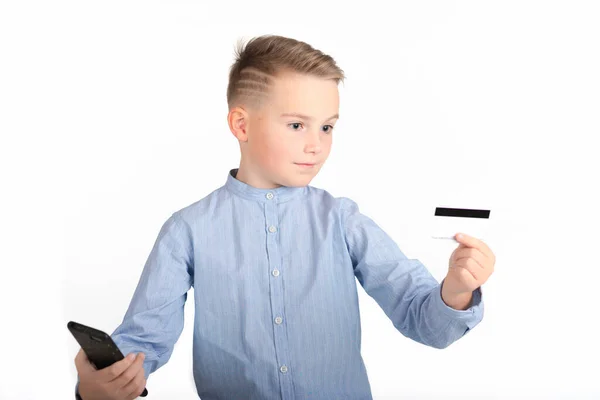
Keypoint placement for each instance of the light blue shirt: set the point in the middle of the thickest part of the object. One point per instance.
(276, 304)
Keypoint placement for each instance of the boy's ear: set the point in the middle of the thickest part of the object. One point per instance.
(238, 123)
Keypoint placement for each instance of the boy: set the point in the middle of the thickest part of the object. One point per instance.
(273, 261)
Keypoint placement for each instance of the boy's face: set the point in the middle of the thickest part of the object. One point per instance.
(274, 146)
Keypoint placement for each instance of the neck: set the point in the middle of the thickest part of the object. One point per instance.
(247, 175)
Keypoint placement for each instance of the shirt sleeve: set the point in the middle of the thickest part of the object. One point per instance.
(404, 288)
(155, 318)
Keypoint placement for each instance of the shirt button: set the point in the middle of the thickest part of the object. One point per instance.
(278, 320)
(275, 272)
(283, 369)
(272, 229)
(269, 195)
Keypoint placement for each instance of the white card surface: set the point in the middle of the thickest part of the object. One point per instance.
(450, 221)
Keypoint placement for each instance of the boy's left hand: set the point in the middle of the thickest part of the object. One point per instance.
(470, 266)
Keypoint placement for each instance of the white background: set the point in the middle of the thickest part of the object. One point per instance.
(113, 116)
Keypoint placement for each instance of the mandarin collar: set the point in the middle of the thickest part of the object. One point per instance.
(280, 194)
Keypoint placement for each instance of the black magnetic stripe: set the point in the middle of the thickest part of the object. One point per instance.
(461, 212)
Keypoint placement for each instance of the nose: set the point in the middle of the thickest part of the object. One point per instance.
(313, 143)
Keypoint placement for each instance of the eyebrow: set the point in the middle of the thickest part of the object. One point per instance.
(306, 117)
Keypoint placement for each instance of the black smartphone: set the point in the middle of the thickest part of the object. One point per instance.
(99, 347)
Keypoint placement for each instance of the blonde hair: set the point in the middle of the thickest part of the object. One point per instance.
(264, 58)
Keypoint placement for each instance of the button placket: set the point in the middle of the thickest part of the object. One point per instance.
(274, 259)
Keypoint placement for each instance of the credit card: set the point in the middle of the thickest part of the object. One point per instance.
(447, 222)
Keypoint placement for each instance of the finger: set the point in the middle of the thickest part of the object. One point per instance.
(471, 241)
(471, 267)
(460, 247)
(471, 253)
(82, 363)
(130, 373)
(115, 370)
(136, 386)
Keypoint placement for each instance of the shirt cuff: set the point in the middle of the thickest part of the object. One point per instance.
(470, 316)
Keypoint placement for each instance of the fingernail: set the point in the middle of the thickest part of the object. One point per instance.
(131, 356)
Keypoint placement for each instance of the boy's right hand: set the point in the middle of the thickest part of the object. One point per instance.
(123, 380)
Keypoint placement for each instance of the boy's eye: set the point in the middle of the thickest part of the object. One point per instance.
(294, 124)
